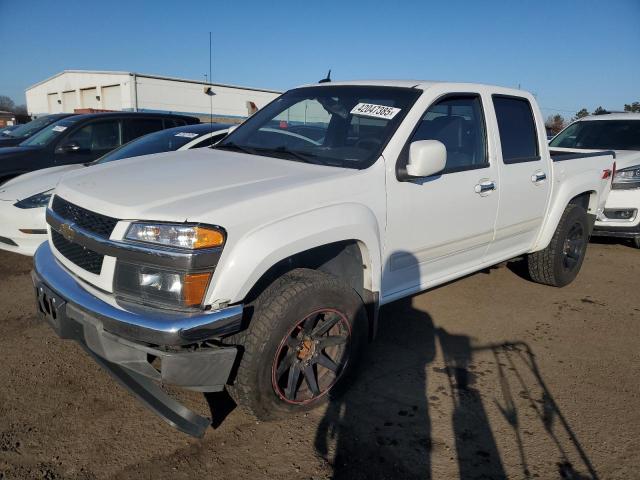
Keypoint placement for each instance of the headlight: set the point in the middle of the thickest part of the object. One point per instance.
(159, 287)
(186, 236)
(627, 177)
(35, 201)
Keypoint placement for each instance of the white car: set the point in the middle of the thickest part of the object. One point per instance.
(259, 265)
(619, 132)
(23, 200)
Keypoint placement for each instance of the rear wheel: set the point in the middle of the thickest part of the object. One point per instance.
(302, 344)
(559, 263)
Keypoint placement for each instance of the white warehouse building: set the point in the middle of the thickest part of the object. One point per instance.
(83, 90)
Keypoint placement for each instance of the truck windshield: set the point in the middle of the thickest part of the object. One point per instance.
(600, 135)
(342, 126)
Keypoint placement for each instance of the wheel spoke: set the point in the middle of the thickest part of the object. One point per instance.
(309, 323)
(292, 343)
(292, 382)
(332, 341)
(325, 326)
(286, 363)
(312, 381)
(326, 362)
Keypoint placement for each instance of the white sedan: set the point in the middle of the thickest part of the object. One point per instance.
(23, 200)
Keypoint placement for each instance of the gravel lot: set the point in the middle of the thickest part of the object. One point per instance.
(491, 376)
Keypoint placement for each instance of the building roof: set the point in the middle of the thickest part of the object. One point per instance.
(144, 75)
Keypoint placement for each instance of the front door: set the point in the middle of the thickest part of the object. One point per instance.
(89, 142)
(440, 226)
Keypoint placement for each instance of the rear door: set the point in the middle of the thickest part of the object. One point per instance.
(525, 176)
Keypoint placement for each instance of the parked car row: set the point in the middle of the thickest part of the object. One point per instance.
(23, 200)
(620, 133)
(259, 266)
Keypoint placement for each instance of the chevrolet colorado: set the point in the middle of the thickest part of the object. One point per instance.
(259, 265)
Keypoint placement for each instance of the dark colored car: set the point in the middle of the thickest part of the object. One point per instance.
(19, 134)
(82, 139)
(170, 140)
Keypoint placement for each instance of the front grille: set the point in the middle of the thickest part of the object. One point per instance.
(77, 254)
(83, 218)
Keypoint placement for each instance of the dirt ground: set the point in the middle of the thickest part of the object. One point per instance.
(488, 377)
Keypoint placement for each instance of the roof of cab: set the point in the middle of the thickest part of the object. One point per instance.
(422, 85)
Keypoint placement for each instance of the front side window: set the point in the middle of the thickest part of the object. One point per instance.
(600, 135)
(97, 136)
(517, 129)
(457, 122)
(342, 126)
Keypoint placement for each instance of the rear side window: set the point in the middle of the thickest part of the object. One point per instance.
(137, 127)
(517, 129)
(457, 122)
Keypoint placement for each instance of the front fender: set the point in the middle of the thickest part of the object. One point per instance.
(246, 260)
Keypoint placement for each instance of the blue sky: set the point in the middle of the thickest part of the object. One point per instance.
(570, 53)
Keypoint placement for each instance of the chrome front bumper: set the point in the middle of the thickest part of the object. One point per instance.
(128, 343)
(137, 323)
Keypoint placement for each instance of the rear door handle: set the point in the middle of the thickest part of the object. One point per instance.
(538, 177)
(485, 187)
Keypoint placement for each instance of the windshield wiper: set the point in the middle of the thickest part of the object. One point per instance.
(236, 147)
(302, 157)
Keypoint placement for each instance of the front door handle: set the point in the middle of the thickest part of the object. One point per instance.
(485, 187)
(538, 177)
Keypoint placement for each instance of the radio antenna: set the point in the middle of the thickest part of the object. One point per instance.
(210, 91)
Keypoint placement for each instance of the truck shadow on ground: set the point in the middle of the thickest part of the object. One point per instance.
(383, 426)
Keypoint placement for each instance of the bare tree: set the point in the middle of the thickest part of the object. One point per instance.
(6, 104)
(554, 123)
(583, 112)
(633, 107)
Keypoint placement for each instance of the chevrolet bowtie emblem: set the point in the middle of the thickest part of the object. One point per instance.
(67, 232)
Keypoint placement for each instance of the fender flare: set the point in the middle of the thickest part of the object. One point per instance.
(566, 193)
(244, 262)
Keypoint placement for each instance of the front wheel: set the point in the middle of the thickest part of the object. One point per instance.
(559, 263)
(302, 344)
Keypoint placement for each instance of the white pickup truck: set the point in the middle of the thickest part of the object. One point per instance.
(259, 265)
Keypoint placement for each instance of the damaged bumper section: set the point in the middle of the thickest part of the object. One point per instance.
(141, 348)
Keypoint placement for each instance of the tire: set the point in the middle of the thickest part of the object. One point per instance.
(285, 348)
(636, 242)
(559, 263)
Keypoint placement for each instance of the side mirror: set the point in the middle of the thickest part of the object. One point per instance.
(71, 147)
(426, 158)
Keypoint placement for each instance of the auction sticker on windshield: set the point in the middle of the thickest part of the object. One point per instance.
(186, 135)
(59, 128)
(375, 111)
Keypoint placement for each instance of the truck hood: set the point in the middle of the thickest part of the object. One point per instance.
(32, 183)
(201, 185)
